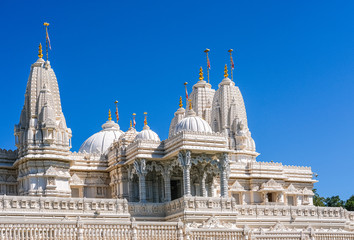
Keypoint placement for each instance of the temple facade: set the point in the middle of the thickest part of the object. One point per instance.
(202, 182)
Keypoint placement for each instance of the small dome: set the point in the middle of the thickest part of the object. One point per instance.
(147, 134)
(100, 142)
(192, 123)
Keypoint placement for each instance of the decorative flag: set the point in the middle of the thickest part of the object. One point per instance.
(134, 120)
(47, 36)
(208, 62)
(232, 63)
(117, 115)
(185, 86)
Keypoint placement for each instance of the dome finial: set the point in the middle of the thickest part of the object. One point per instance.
(190, 104)
(109, 115)
(40, 52)
(201, 77)
(145, 118)
(180, 102)
(131, 125)
(225, 71)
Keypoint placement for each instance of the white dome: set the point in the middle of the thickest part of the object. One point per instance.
(192, 123)
(100, 142)
(147, 134)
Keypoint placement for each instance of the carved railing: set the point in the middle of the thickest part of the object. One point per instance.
(25, 205)
(216, 205)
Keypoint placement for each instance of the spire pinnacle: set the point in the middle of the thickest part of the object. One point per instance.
(190, 104)
(180, 102)
(225, 71)
(109, 115)
(201, 77)
(40, 52)
(145, 118)
(131, 125)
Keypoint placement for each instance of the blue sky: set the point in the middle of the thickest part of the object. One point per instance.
(294, 63)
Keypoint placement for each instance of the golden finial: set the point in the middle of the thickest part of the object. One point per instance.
(180, 102)
(109, 115)
(145, 118)
(46, 24)
(40, 53)
(201, 77)
(131, 125)
(190, 104)
(225, 72)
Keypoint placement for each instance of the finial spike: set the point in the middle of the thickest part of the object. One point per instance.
(201, 77)
(131, 125)
(180, 102)
(145, 118)
(190, 104)
(40, 52)
(109, 115)
(225, 71)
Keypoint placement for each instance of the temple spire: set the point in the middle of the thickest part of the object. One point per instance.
(40, 52)
(180, 102)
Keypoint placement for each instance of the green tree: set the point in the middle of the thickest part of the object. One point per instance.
(349, 205)
(334, 201)
(317, 200)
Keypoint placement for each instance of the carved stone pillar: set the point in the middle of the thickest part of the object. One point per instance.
(185, 162)
(224, 175)
(140, 167)
(167, 183)
(203, 190)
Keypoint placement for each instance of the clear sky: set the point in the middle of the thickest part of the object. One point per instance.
(294, 64)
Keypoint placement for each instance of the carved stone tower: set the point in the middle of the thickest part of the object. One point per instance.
(202, 98)
(42, 137)
(228, 115)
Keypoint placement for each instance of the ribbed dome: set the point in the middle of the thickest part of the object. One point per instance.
(192, 123)
(100, 142)
(147, 134)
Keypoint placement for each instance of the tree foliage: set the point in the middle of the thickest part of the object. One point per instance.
(333, 201)
(349, 205)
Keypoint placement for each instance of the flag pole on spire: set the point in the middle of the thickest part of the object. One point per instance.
(232, 64)
(47, 40)
(117, 115)
(134, 122)
(208, 62)
(185, 87)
